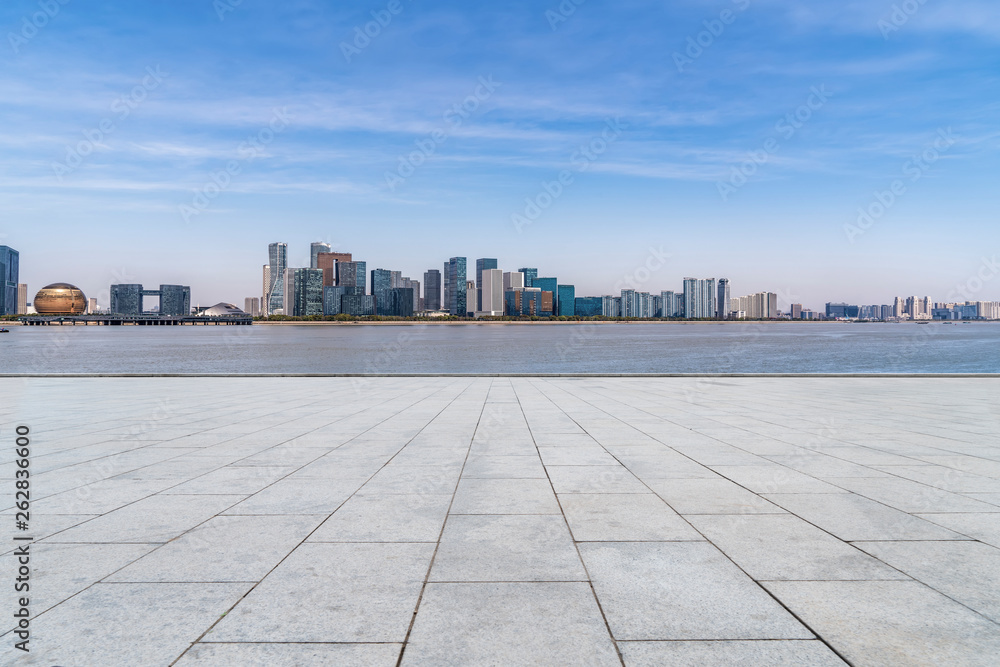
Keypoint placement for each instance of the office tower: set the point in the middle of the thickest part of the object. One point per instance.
(887, 312)
(126, 299)
(470, 296)
(760, 306)
(278, 262)
(456, 292)
(314, 251)
(175, 300)
(513, 280)
(529, 276)
(629, 303)
(358, 305)
(722, 299)
(842, 310)
(700, 298)
(432, 290)
(566, 300)
(303, 292)
(266, 286)
(796, 311)
(332, 296)
(395, 302)
(657, 305)
(352, 274)
(92, 305)
(482, 265)
(523, 302)
(407, 283)
(251, 306)
(327, 261)
(491, 293)
(588, 306)
(673, 303)
(612, 306)
(9, 275)
(22, 299)
(380, 285)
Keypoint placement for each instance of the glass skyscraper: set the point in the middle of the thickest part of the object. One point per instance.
(9, 274)
(566, 301)
(314, 250)
(547, 285)
(175, 300)
(382, 282)
(455, 288)
(482, 265)
(529, 276)
(700, 299)
(432, 290)
(588, 306)
(303, 292)
(352, 274)
(722, 305)
(278, 262)
(126, 299)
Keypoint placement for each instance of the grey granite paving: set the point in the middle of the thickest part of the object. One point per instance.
(508, 521)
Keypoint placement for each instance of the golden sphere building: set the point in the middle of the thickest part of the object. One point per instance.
(60, 299)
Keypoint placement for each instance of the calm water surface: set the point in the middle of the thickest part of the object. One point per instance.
(579, 348)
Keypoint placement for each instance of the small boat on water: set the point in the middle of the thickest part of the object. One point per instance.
(3, 330)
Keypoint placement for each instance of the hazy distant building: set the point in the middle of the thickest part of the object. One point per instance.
(22, 299)
(251, 306)
(529, 276)
(612, 306)
(303, 292)
(9, 276)
(92, 306)
(314, 251)
(274, 296)
(842, 311)
(588, 306)
(722, 299)
(700, 298)
(327, 262)
(432, 290)
(796, 311)
(760, 306)
(455, 290)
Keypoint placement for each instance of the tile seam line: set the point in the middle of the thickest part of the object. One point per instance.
(506, 375)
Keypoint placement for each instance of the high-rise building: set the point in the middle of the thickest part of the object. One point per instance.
(760, 306)
(92, 305)
(314, 251)
(126, 299)
(9, 275)
(842, 311)
(358, 305)
(303, 292)
(523, 302)
(22, 299)
(266, 288)
(566, 300)
(251, 306)
(175, 300)
(456, 293)
(796, 311)
(612, 306)
(513, 280)
(278, 262)
(395, 302)
(629, 303)
(482, 265)
(352, 274)
(432, 290)
(529, 276)
(470, 296)
(673, 303)
(327, 261)
(380, 285)
(699, 298)
(723, 299)
(491, 293)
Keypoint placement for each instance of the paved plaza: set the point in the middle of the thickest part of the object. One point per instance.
(507, 521)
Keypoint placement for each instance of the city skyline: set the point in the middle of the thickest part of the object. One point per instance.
(440, 128)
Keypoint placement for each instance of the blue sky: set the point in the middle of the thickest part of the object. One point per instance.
(117, 115)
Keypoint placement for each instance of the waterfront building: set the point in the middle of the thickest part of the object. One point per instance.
(760, 306)
(588, 306)
(612, 306)
(486, 264)
(126, 299)
(380, 285)
(796, 311)
(529, 276)
(414, 285)
(395, 302)
(251, 306)
(277, 261)
(523, 302)
(723, 299)
(327, 262)
(470, 296)
(175, 300)
(700, 298)
(9, 276)
(657, 300)
(673, 304)
(91, 306)
(432, 290)
(513, 280)
(455, 288)
(842, 311)
(491, 293)
(629, 303)
(303, 292)
(314, 252)
(352, 274)
(22, 299)
(358, 305)
(566, 300)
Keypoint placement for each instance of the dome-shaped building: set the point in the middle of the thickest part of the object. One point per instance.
(223, 310)
(60, 299)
